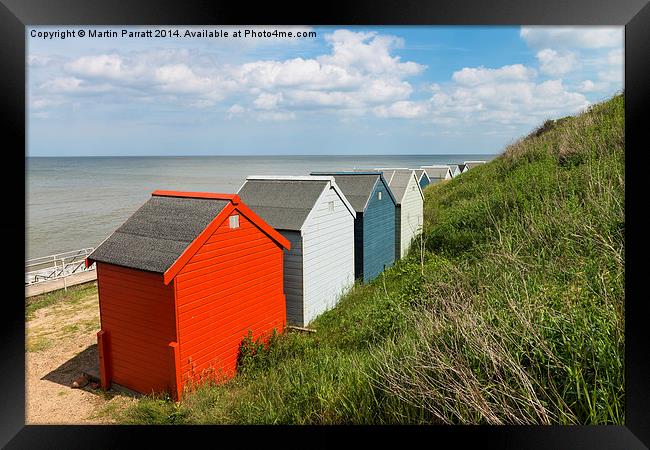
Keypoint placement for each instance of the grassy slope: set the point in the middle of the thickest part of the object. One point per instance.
(512, 314)
(73, 295)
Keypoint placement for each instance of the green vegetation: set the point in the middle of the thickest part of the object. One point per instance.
(508, 309)
(38, 343)
(73, 296)
(85, 326)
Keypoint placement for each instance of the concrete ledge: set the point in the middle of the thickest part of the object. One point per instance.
(49, 286)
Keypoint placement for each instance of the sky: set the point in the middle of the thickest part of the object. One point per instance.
(340, 90)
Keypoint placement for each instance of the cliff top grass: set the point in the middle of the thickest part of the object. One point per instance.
(508, 309)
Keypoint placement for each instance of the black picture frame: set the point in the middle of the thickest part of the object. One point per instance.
(16, 15)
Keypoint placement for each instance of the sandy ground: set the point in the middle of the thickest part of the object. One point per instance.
(60, 342)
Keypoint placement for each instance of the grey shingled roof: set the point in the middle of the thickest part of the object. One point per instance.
(283, 204)
(436, 172)
(419, 173)
(471, 164)
(158, 233)
(357, 188)
(398, 180)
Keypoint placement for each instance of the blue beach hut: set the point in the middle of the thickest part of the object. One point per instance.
(374, 225)
(423, 178)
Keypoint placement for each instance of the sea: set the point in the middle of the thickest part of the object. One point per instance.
(76, 202)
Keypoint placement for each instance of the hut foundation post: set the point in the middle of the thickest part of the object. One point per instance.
(103, 351)
(174, 371)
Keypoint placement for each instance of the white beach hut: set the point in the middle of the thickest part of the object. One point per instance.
(409, 212)
(438, 173)
(455, 170)
(472, 164)
(314, 215)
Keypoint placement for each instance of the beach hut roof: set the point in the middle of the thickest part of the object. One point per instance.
(437, 171)
(420, 173)
(398, 180)
(358, 186)
(286, 201)
(163, 229)
(471, 164)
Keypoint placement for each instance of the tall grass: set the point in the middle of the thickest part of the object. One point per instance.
(513, 313)
(527, 325)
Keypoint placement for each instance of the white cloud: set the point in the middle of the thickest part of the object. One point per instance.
(150, 73)
(61, 91)
(590, 86)
(384, 90)
(310, 99)
(356, 60)
(373, 92)
(590, 58)
(297, 72)
(268, 101)
(179, 78)
(502, 96)
(572, 37)
(100, 66)
(236, 110)
(360, 75)
(615, 57)
(369, 53)
(611, 71)
(40, 102)
(74, 86)
(275, 116)
(587, 86)
(403, 109)
(474, 76)
(360, 72)
(62, 85)
(613, 75)
(554, 64)
(38, 60)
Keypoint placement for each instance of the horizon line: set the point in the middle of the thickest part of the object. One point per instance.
(254, 155)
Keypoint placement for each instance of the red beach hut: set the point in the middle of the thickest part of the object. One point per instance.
(180, 283)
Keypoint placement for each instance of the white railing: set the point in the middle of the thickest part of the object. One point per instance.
(54, 267)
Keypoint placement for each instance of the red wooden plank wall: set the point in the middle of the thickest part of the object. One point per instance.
(137, 314)
(232, 284)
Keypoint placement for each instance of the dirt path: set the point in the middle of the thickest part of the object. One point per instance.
(61, 342)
